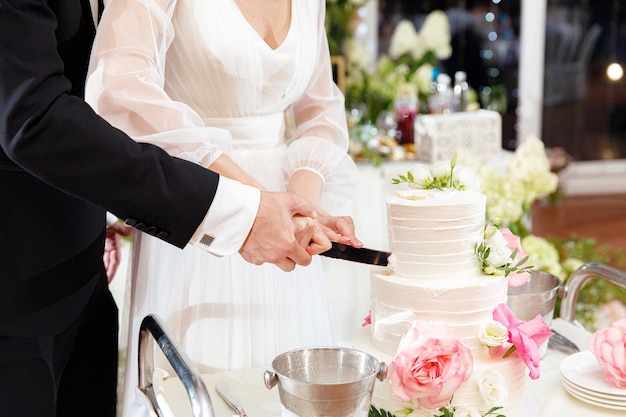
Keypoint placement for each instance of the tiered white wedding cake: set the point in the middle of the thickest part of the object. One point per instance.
(438, 312)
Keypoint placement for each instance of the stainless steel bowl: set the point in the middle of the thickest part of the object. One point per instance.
(325, 381)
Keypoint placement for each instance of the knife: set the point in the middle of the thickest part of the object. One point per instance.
(362, 255)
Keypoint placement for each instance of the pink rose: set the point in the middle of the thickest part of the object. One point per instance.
(429, 366)
(526, 336)
(513, 242)
(609, 348)
(368, 319)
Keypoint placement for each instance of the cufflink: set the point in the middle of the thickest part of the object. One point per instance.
(206, 240)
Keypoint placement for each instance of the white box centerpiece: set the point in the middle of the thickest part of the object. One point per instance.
(439, 136)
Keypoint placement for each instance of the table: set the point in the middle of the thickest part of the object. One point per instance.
(247, 384)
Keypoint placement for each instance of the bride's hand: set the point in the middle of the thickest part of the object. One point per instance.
(339, 229)
(311, 235)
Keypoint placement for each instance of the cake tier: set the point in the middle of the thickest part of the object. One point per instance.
(434, 233)
(511, 369)
(465, 304)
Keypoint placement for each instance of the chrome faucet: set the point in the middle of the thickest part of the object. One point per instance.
(569, 295)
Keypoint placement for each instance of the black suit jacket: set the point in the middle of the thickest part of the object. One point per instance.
(61, 165)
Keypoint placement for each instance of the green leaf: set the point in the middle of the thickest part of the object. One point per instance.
(374, 412)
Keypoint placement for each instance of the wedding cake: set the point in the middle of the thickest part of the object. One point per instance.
(438, 314)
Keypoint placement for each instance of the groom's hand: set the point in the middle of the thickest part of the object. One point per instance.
(273, 234)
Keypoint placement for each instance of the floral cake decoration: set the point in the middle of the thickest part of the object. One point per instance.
(501, 252)
(430, 364)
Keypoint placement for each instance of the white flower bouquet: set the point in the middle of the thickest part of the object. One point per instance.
(406, 69)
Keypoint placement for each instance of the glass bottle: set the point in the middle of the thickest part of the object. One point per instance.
(460, 91)
(432, 100)
(444, 94)
(406, 110)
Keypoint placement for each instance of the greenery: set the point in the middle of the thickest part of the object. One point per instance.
(374, 412)
(483, 254)
(438, 177)
(339, 16)
(405, 71)
(445, 412)
(574, 252)
(432, 183)
(449, 412)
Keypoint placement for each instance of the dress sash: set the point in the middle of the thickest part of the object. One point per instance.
(258, 132)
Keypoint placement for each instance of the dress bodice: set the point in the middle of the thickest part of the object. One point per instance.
(195, 78)
(222, 67)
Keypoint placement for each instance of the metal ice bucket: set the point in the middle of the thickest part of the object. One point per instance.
(536, 296)
(325, 381)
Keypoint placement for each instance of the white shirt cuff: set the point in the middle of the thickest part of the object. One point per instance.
(229, 219)
(111, 218)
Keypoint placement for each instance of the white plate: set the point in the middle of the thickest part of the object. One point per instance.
(573, 389)
(592, 400)
(583, 370)
(599, 395)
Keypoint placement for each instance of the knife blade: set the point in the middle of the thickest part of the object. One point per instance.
(361, 255)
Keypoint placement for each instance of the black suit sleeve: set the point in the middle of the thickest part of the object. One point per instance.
(56, 137)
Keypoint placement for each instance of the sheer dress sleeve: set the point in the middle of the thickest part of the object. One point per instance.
(127, 77)
(320, 141)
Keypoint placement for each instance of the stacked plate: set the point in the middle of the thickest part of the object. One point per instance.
(583, 378)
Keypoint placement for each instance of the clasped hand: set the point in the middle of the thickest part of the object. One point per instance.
(289, 231)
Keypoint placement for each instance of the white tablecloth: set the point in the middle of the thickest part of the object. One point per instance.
(546, 395)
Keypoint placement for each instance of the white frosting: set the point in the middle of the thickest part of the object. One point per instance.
(463, 303)
(434, 233)
(434, 276)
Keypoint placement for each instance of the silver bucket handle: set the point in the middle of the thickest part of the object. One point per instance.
(153, 330)
(569, 295)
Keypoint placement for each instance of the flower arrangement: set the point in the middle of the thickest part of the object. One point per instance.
(440, 176)
(430, 365)
(406, 69)
(512, 191)
(502, 254)
(508, 334)
(609, 348)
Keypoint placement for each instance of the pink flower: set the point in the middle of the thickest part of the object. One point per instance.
(609, 348)
(368, 319)
(526, 336)
(513, 242)
(429, 366)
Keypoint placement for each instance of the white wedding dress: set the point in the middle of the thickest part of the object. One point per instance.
(194, 77)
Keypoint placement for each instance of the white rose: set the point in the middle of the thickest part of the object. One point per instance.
(466, 412)
(440, 169)
(467, 178)
(420, 175)
(493, 333)
(491, 387)
(499, 252)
